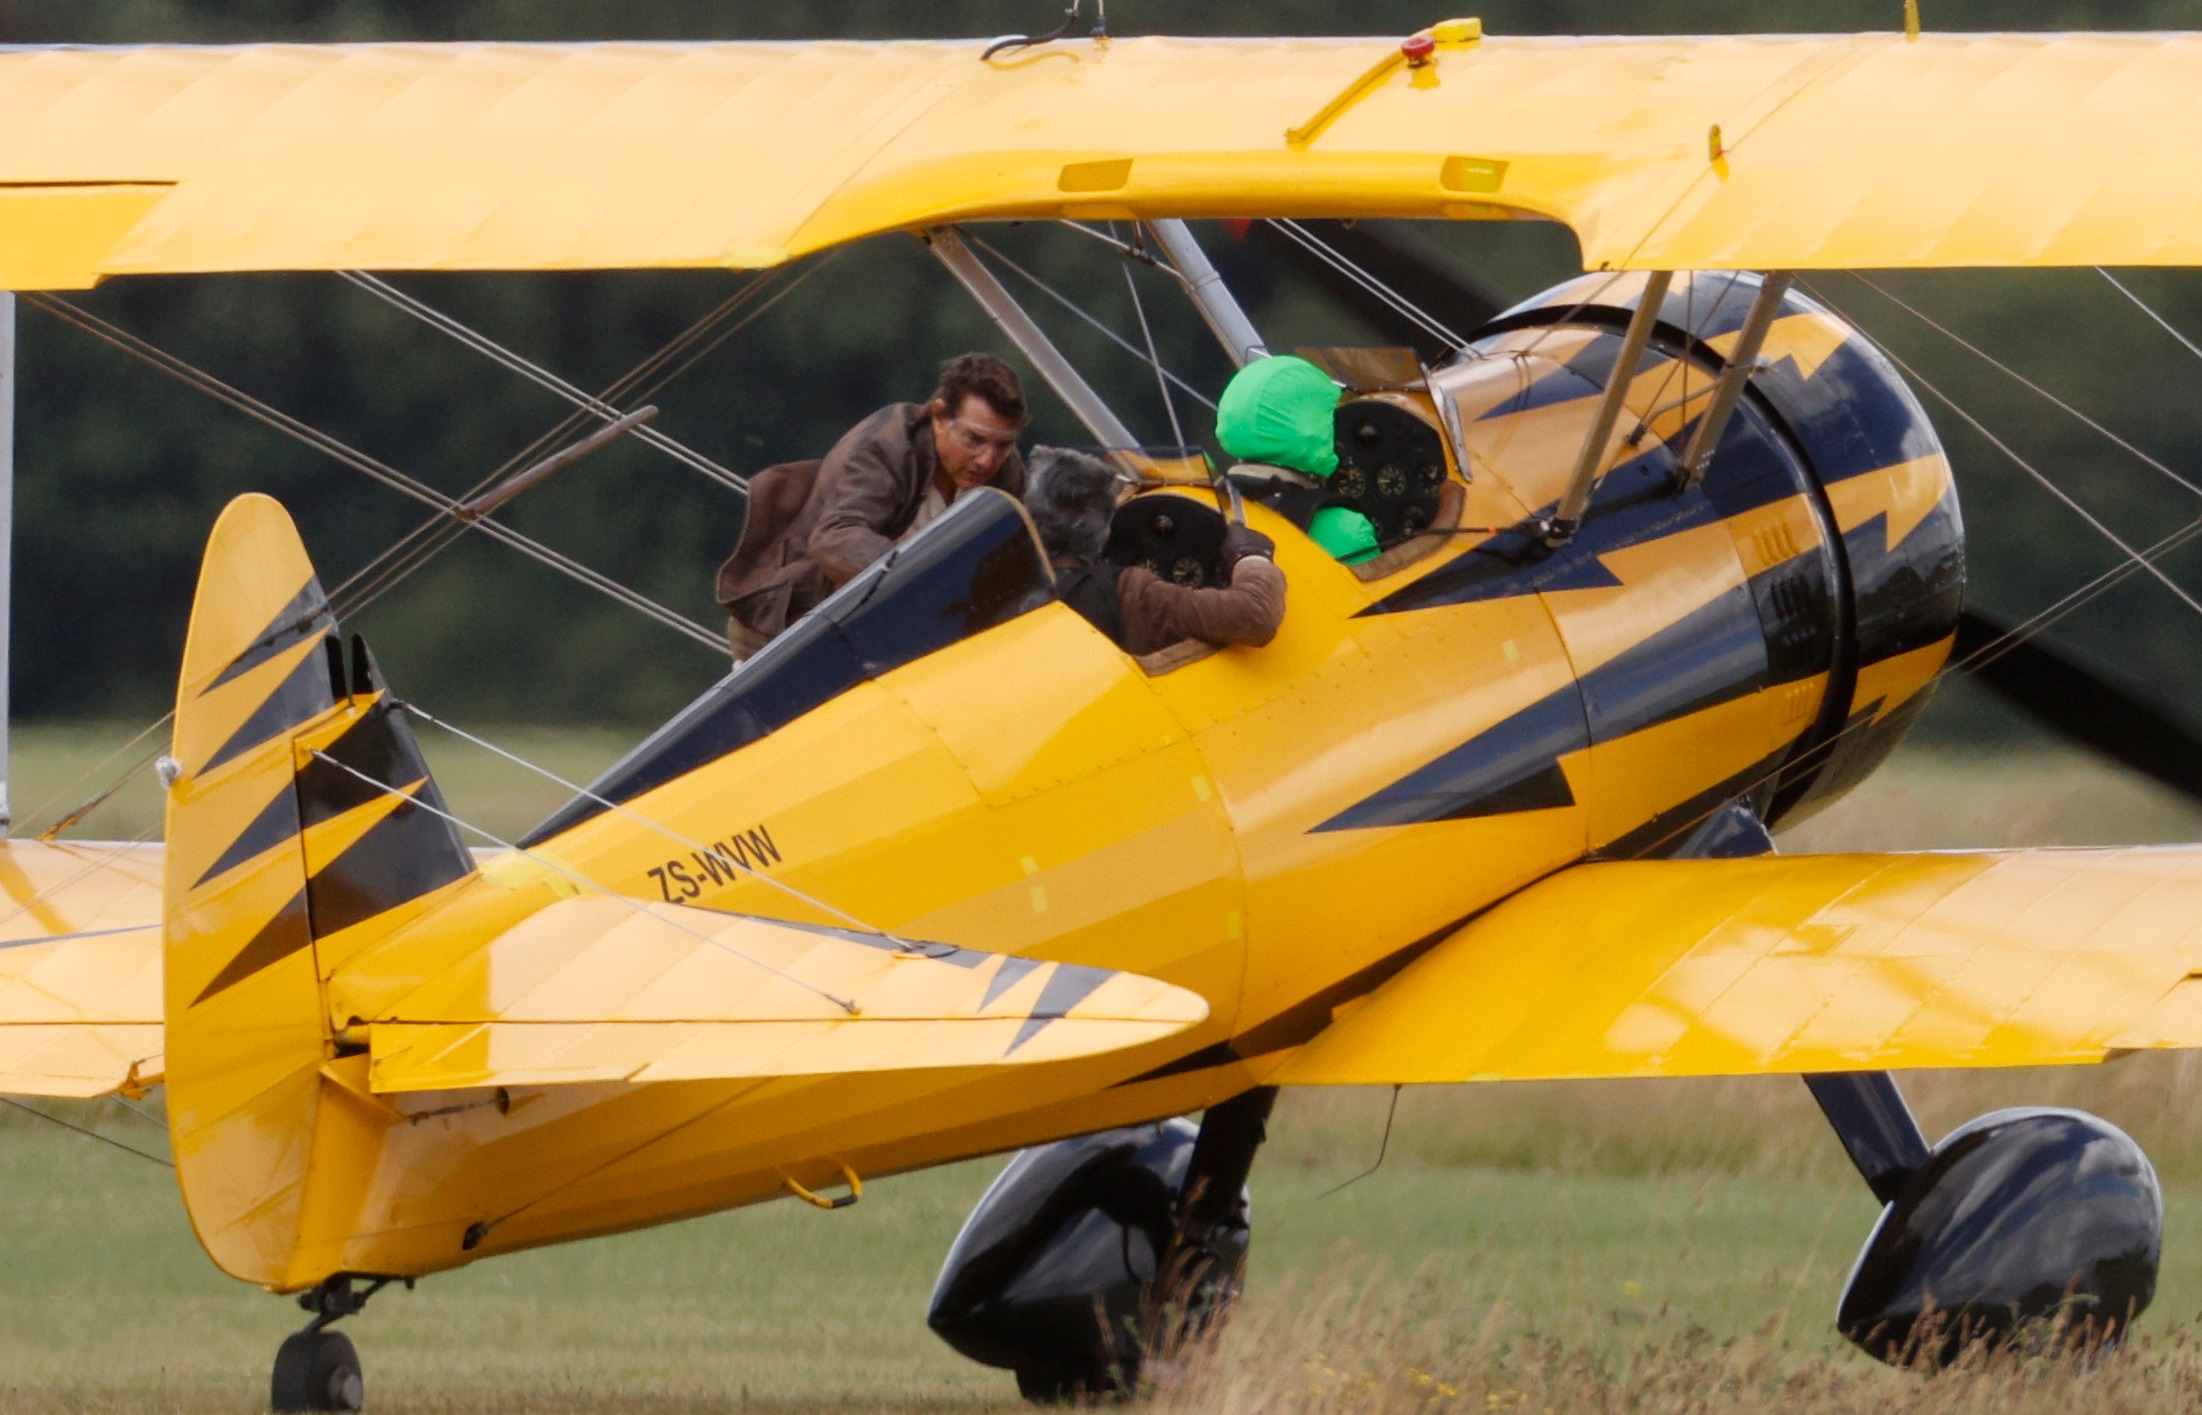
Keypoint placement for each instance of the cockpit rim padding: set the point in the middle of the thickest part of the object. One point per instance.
(1176, 656)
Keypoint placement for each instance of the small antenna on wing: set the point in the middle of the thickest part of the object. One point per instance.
(1382, 1147)
(1026, 41)
(1911, 19)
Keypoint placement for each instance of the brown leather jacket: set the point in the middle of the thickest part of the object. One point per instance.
(1145, 613)
(812, 525)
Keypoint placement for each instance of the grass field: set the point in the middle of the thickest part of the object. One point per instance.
(1625, 1246)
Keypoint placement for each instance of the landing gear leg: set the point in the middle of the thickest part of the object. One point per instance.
(1202, 1271)
(317, 1368)
(2033, 1224)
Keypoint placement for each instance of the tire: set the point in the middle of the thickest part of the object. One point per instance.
(316, 1370)
(1052, 1387)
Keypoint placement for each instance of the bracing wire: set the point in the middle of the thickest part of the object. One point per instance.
(377, 470)
(1147, 334)
(681, 354)
(2143, 306)
(2041, 478)
(581, 879)
(1323, 251)
(669, 362)
(1096, 325)
(84, 809)
(538, 375)
(2030, 385)
(87, 1132)
(665, 830)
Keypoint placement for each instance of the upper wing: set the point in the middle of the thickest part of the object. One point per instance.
(80, 968)
(1747, 151)
(602, 989)
(1795, 964)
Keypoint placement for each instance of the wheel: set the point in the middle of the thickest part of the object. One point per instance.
(317, 1370)
(1048, 1386)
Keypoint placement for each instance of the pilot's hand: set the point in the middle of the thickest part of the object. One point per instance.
(1242, 541)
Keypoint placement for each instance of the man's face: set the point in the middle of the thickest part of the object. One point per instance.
(972, 441)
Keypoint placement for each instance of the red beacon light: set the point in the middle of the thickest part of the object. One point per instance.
(1418, 48)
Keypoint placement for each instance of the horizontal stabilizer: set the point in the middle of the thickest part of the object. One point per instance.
(1794, 964)
(80, 968)
(603, 989)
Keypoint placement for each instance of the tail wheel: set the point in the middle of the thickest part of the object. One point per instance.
(317, 1370)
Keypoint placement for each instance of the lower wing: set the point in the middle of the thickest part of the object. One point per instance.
(80, 968)
(1794, 964)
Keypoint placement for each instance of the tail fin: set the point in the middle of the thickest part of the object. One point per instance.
(293, 840)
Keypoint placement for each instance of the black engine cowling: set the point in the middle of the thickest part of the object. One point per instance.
(1053, 1273)
(2025, 1220)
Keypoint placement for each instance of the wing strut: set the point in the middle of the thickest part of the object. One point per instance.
(1592, 458)
(1741, 365)
(1030, 339)
(1240, 339)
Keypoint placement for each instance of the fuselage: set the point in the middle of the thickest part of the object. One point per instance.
(1280, 829)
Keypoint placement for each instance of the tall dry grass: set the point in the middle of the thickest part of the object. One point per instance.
(1380, 1347)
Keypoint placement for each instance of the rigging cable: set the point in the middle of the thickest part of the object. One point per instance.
(2040, 477)
(359, 461)
(2142, 305)
(1071, 305)
(1344, 265)
(2032, 387)
(543, 378)
(88, 1133)
(681, 353)
(1147, 334)
(645, 379)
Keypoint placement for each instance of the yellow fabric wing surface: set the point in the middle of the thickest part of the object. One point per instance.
(597, 989)
(1830, 151)
(80, 968)
(1808, 963)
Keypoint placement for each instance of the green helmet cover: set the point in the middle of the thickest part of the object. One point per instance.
(1279, 410)
(1347, 534)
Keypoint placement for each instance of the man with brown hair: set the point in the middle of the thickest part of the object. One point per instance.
(813, 525)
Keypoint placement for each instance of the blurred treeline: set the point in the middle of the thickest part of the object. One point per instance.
(121, 471)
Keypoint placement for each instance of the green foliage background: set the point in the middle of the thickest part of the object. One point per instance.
(121, 472)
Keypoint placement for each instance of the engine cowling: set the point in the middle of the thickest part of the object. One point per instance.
(1866, 600)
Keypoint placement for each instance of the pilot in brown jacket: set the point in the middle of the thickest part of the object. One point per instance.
(813, 525)
(1071, 500)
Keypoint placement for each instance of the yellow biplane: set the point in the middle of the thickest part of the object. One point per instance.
(1671, 554)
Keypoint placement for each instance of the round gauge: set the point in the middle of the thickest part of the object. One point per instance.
(1391, 480)
(1350, 483)
(1432, 475)
(1188, 572)
(1152, 566)
(1413, 519)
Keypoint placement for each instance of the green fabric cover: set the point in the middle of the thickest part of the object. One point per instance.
(1279, 410)
(1347, 534)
